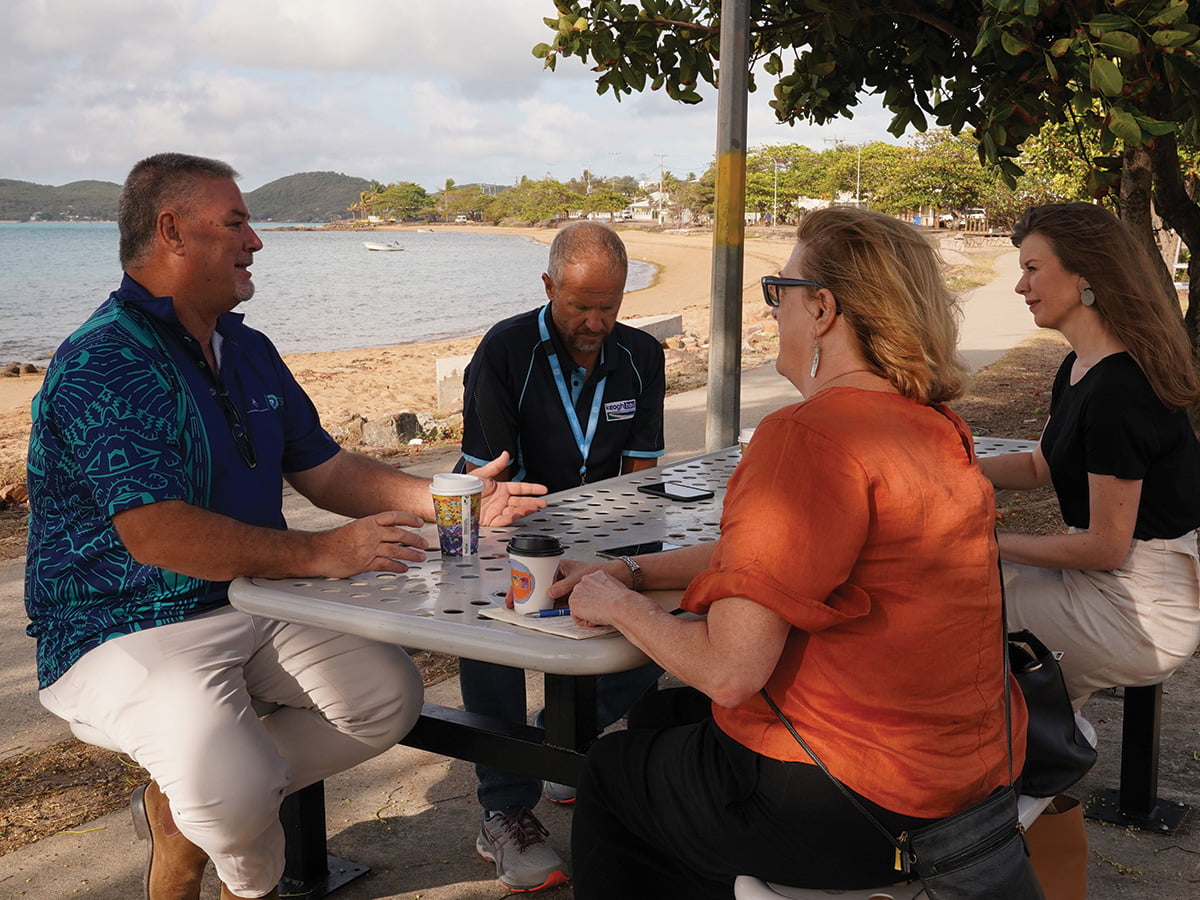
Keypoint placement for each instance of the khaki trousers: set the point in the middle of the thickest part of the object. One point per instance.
(178, 699)
(1131, 626)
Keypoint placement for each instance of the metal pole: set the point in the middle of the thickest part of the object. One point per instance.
(729, 231)
(858, 179)
(775, 197)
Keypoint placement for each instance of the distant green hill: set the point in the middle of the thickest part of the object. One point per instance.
(306, 197)
(24, 200)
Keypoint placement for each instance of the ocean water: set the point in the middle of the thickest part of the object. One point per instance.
(315, 290)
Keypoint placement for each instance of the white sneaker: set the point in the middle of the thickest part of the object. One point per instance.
(516, 843)
(558, 793)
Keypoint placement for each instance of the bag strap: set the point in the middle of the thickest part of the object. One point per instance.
(901, 856)
(820, 765)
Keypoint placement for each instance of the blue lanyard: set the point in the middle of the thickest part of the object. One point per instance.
(582, 441)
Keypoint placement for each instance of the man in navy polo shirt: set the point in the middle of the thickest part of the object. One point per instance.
(161, 440)
(573, 396)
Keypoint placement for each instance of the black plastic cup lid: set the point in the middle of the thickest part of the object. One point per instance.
(534, 545)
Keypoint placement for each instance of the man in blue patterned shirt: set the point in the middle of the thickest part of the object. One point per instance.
(161, 440)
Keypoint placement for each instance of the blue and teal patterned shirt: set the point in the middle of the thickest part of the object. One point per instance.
(130, 413)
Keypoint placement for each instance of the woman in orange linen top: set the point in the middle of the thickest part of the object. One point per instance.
(856, 580)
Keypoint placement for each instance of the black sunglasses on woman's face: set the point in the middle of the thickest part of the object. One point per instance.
(772, 283)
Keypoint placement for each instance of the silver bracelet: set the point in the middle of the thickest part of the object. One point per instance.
(635, 572)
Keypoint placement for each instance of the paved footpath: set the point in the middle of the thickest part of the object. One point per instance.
(412, 817)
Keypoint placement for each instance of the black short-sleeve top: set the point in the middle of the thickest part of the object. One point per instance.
(513, 401)
(1112, 423)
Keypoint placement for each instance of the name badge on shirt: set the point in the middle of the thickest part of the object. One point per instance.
(619, 410)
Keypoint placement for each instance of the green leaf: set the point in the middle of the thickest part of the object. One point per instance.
(1120, 42)
(1010, 170)
(1125, 126)
(541, 51)
(1050, 67)
(1172, 38)
(986, 37)
(1013, 46)
(1106, 77)
(1171, 13)
(1154, 126)
(987, 147)
(1061, 46)
(1108, 140)
(1100, 24)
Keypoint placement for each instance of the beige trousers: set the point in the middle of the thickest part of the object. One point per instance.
(1131, 626)
(177, 698)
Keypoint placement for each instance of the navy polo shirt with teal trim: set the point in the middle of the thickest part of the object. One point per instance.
(131, 414)
(511, 402)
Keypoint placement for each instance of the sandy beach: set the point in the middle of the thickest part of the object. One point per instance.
(378, 381)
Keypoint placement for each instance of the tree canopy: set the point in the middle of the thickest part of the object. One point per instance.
(1124, 71)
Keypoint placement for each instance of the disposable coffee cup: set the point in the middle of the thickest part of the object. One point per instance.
(744, 438)
(456, 502)
(533, 565)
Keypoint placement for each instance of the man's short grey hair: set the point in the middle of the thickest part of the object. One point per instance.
(585, 239)
(166, 180)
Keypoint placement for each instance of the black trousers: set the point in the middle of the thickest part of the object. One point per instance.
(682, 811)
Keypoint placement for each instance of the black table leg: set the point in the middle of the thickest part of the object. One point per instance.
(1136, 803)
(309, 871)
(569, 719)
(553, 752)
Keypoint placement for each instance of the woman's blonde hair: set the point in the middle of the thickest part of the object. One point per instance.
(1133, 301)
(887, 281)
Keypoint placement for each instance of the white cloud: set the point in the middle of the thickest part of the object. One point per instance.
(415, 90)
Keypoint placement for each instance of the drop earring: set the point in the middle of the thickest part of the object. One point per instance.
(812, 373)
(1087, 297)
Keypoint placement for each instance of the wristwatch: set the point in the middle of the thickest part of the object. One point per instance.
(635, 572)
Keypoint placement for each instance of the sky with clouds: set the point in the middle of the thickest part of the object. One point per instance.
(394, 90)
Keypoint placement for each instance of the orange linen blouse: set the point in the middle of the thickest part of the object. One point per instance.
(861, 518)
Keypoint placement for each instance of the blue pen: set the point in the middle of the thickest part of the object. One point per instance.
(549, 613)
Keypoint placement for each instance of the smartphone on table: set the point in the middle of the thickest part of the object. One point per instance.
(636, 549)
(672, 490)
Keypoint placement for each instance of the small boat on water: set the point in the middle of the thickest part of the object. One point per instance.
(382, 245)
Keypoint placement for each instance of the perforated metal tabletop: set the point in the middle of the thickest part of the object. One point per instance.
(437, 604)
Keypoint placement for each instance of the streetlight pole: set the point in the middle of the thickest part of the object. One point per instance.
(775, 199)
(858, 180)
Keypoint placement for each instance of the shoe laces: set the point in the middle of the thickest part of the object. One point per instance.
(524, 828)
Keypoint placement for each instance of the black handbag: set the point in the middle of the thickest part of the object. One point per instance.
(1056, 753)
(977, 854)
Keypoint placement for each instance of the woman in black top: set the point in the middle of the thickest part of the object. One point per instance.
(1119, 593)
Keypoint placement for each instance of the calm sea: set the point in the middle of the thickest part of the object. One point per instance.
(315, 290)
